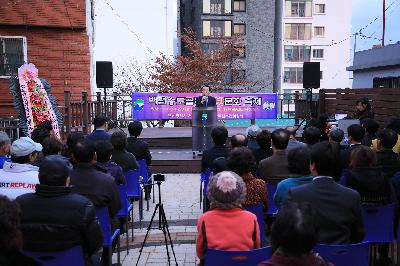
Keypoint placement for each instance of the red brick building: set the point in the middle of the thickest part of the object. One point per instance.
(54, 35)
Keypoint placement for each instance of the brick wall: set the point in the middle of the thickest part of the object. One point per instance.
(54, 13)
(61, 55)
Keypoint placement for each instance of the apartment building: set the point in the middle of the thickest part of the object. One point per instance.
(316, 31)
(251, 21)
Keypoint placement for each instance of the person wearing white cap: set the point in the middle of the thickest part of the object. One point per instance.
(20, 176)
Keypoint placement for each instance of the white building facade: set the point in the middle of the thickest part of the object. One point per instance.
(316, 31)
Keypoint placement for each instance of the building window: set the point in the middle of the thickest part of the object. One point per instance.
(217, 7)
(319, 8)
(386, 82)
(318, 53)
(217, 28)
(239, 51)
(297, 53)
(297, 31)
(239, 6)
(298, 8)
(319, 31)
(238, 74)
(239, 29)
(210, 48)
(12, 55)
(293, 75)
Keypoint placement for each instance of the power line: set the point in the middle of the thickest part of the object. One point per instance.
(128, 27)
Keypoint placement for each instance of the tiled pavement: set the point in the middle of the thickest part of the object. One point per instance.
(180, 195)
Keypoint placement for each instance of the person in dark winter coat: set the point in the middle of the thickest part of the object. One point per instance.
(294, 235)
(55, 219)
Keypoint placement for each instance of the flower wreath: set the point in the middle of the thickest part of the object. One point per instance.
(32, 101)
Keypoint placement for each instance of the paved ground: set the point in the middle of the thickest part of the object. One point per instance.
(180, 195)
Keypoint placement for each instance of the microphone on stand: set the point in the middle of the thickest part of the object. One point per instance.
(204, 99)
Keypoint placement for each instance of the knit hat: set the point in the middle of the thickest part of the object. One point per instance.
(226, 190)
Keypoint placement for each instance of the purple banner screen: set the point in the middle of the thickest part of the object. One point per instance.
(154, 106)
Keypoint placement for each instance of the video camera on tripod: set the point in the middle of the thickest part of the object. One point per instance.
(159, 178)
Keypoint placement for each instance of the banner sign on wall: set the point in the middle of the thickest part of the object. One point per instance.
(154, 106)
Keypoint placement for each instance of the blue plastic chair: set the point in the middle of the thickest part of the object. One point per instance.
(345, 255)
(143, 172)
(133, 189)
(125, 210)
(237, 258)
(272, 209)
(204, 178)
(109, 235)
(379, 223)
(73, 256)
(257, 209)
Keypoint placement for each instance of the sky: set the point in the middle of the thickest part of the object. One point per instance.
(152, 30)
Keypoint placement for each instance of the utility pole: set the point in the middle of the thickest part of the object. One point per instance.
(384, 23)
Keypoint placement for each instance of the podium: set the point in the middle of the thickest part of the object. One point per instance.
(203, 121)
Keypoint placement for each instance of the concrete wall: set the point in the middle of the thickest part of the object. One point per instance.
(364, 79)
(337, 23)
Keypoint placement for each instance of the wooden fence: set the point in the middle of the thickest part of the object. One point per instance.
(384, 102)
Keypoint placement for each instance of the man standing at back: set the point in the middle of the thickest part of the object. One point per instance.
(100, 188)
(55, 219)
(100, 129)
(275, 168)
(219, 136)
(338, 208)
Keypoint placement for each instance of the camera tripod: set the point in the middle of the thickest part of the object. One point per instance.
(162, 225)
(309, 114)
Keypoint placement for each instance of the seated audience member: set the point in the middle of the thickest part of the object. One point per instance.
(5, 145)
(336, 135)
(298, 164)
(104, 150)
(11, 236)
(394, 124)
(239, 140)
(100, 123)
(311, 136)
(120, 156)
(51, 146)
(338, 208)
(48, 126)
(372, 185)
(264, 142)
(39, 134)
(293, 142)
(275, 168)
(226, 226)
(241, 161)
(366, 178)
(324, 126)
(294, 234)
(72, 139)
(100, 188)
(371, 127)
(386, 158)
(355, 135)
(136, 146)
(55, 219)
(252, 132)
(219, 165)
(219, 136)
(20, 176)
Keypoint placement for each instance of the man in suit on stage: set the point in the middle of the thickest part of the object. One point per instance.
(205, 100)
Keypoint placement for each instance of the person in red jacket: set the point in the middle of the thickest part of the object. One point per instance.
(226, 226)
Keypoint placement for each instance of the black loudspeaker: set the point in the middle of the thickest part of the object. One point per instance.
(104, 74)
(311, 75)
